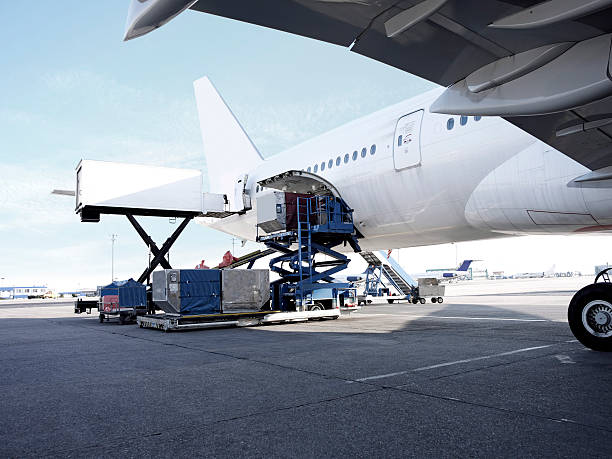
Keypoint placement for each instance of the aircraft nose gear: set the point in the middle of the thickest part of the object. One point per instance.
(597, 318)
(590, 314)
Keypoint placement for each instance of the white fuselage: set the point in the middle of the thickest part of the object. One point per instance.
(478, 179)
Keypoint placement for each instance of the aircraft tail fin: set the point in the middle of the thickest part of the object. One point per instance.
(228, 149)
(465, 265)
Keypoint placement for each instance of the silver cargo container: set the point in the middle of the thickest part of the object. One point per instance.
(244, 289)
(272, 212)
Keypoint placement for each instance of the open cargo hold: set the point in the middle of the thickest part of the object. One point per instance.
(278, 211)
(210, 291)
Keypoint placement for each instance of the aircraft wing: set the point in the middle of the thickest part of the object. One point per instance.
(544, 66)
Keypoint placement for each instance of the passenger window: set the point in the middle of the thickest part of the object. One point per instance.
(450, 123)
(399, 141)
(373, 149)
(330, 163)
(354, 155)
(338, 160)
(322, 166)
(316, 168)
(477, 118)
(364, 152)
(463, 120)
(346, 158)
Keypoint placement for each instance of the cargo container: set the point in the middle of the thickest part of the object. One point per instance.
(123, 300)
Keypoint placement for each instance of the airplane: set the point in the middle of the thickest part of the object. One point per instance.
(443, 276)
(447, 274)
(516, 140)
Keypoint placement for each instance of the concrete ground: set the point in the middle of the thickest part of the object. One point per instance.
(483, 374)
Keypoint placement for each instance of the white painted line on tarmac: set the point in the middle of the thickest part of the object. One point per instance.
(456, 362)
(415, 316)
(489, 318)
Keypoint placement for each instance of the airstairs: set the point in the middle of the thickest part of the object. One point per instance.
(383, 268)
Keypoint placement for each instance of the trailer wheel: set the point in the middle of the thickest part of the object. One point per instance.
(101, 318)
(433, 299)
(422, 300)
(590, 316)
(415, 300)
(390, 301)
(316, 307)
(440, 299)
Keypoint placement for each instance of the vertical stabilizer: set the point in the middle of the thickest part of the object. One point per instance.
(228, 149)
(465, 265)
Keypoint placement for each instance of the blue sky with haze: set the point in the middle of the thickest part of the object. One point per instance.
(72, 89)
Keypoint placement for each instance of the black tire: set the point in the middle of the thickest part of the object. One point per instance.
(440, 299)
(316, 307)
(123, 319)
(415, 300)
(422, 300)
(434, 299)
(390, 301)
(590, 316)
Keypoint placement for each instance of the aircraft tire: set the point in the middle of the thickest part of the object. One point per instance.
(590, 316)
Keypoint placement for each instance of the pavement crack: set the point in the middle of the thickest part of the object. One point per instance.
(205, 427)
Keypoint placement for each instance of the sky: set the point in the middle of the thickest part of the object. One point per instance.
(71, 89)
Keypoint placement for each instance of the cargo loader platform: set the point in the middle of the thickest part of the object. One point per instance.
(175, 322)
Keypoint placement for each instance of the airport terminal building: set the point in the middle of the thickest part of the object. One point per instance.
(22, 292)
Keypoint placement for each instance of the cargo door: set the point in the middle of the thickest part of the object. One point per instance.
(407, 142)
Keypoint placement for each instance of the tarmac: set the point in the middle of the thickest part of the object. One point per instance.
(493, 371)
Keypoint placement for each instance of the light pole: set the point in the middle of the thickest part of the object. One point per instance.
(113, 239)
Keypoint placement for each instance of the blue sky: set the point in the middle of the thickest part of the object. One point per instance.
(72, 89)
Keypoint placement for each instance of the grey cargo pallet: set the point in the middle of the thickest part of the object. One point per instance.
(170, 322)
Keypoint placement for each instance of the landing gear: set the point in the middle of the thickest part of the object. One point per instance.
(590, 315)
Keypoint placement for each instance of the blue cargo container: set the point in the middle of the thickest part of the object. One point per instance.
(131, 294)
(200, 291)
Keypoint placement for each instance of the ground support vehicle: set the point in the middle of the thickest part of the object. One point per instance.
(387, 281)
(82, 305)
(429, 287)
(123, 300)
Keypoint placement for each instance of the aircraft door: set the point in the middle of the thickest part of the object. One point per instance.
(242, 198)
(407, 142)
